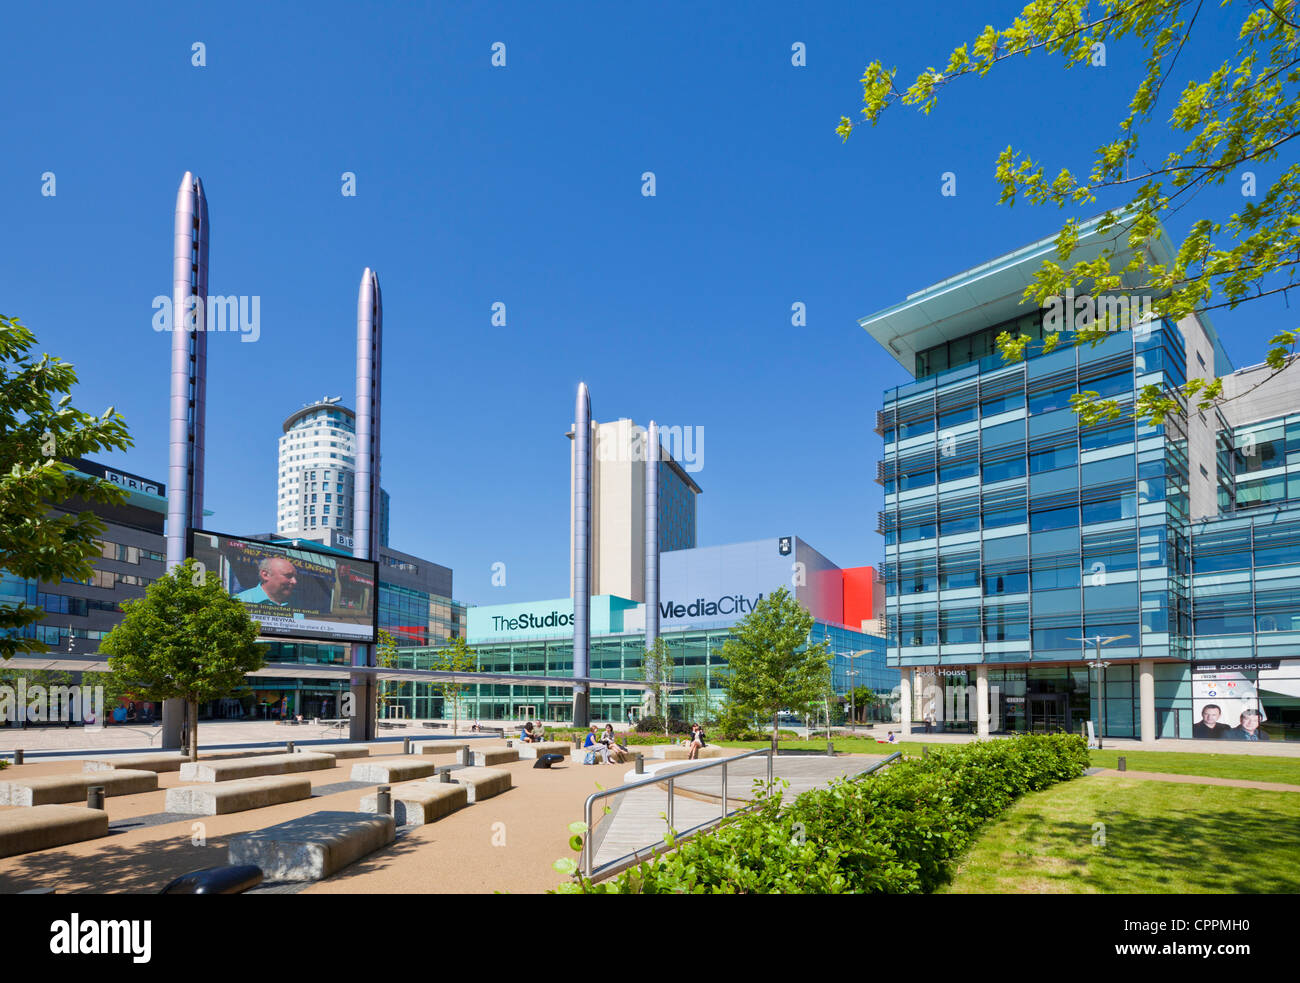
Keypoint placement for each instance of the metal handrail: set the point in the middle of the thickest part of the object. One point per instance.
(588, 858)
(588, 854)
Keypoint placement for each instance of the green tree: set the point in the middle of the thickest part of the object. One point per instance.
(456, 656)
(38, 428)
(772, 662)
(657, 670)
(1238, 116)
(185, 639)
(862, 699)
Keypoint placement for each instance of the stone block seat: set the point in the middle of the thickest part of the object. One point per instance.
(270, 764)
(417, 803)
(338, 750)
(312, 847)
(389, 772)
(442, 747)
(42, 827)
(238, 795)
(48, 789)
(482, 783)
(678, 752)
(544, 747)
(157, 762)
(485, 757)
(164, 761)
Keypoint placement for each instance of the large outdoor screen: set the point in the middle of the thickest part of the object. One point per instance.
(295, 593)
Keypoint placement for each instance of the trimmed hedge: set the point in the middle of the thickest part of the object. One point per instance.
(893, 832)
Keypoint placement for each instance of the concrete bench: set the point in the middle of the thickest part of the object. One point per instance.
(676, 752)
(417, 803)
(42, 827)
(158, 762)
(338, 750)
(270, 764)
(544, 747)
(494, 756)
(442, 747)
(72, 788)
(237, 796)
(482, 783)
(392, 772)
(312, 847)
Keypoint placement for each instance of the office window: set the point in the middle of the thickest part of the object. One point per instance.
(1062, 518)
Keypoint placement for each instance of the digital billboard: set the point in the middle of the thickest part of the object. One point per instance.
(293, 592)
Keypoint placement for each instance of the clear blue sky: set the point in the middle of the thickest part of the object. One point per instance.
(523, 185)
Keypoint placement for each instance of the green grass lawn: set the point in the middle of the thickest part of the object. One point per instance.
(1160, 838)
(1255, 768)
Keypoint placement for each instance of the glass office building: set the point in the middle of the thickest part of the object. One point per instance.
(1012, 531)
(696, 654)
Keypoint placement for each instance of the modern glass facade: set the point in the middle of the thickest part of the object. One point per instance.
(697, 655)
(1011, 531)
(676, 510)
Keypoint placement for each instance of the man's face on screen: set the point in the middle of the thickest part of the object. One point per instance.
(279, 580)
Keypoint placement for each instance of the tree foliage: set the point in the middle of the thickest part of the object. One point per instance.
(456, 656)
(185, 639)
(38, 428)
(1240, 115)
(657, 669)
(772, 663)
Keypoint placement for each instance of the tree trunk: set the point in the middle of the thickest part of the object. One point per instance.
(194, 730)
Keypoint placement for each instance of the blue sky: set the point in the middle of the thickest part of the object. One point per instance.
(478, 184)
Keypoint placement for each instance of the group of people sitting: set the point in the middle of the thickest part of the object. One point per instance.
(606, 744)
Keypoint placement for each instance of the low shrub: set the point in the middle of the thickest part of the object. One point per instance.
(893, 832)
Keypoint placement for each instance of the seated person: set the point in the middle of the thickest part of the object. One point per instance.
(592, 743)
(697, 741)
(529, 736)
(615, 749)
(891, 739)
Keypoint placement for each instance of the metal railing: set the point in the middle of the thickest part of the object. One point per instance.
(587, 864)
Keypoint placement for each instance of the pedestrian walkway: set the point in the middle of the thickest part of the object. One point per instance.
(638, 818)
(1157, 776)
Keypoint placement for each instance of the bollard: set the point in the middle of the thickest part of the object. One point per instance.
(1123, 764)
(288, 747)
(444, 776)
(640, 764)
(95, 797)
(384, 801)
(406, 745)
(18, 756)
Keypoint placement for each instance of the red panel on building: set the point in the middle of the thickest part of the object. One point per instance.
(859, 595)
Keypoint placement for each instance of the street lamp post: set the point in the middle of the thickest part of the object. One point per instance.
(1100, 666)
(853, 711)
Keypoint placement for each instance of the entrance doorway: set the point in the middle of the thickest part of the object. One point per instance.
(1049, 713)
(526, 712)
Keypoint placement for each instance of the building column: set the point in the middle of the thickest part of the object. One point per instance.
(982, 702)
(173, 714)
(1147, 699)
(905, 701)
